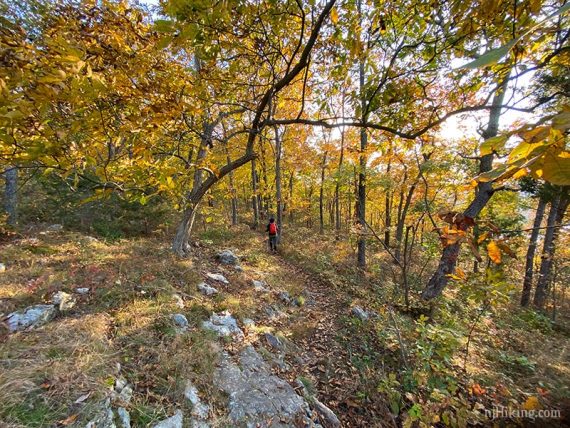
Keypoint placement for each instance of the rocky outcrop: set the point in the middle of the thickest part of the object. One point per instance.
(257, 398)
(224, 325)
(32, 316)
(227, 257)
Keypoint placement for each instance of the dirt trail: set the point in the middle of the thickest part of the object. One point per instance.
(319, 356)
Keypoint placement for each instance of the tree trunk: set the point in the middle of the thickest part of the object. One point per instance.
(180, 244)
(234, 201)
(529, 268)
(388, 205)
(402, 220)
(483, 194)
(362, 163)
(11, 195)
(278, 192)
(321, 194)
(291, 197)
(555, 216)
(254, 200)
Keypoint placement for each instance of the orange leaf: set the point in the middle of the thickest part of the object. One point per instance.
(531, 403)
(494, 252)
(69, 421)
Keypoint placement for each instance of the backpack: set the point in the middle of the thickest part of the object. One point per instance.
(272, 229)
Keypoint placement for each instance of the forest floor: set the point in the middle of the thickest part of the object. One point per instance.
(56, 375)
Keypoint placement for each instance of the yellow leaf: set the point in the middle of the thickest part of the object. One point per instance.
(334, 15)
(494, 252)
(556, 169)
(531, 403)
(482, 237)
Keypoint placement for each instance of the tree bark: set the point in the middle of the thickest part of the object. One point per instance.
(254, 200)
(362, 163)
(529, 267)
(11, 195)
(484, 192)
(402, 220)
(321, 194)
(555, 216)
(278, 190)
(388, 205)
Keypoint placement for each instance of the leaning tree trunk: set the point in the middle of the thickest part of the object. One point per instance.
(11, 195)
(555, 216)
(529, 267)
(254, 199)
(484, 192)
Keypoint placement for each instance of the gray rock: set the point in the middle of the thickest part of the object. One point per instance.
(120, 383)
(104, 417)
(217, 277)
(82, 290)
(238, 268)
(172, 422)
(224, 325)
(55, 228)
(64, 301)
(199, 424)
(206, 289)
(284, 297)
(274, 342)
(273, 312)
(227, 257)
(124, 417)
(327, 416)
(2, 267)
(260, 286)
(32, 316)
(199, 409)
(180, 322)
(256, 396)
(248, 323)
(360, 313)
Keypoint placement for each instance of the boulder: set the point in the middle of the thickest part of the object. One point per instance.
(224, 325)
(360, 313)
(32, 316)
(64, 301)
(2, 267)
(206, 289)
(124, 417)
(274, 342)
(227, 257)
(172, 422)
(326, 415)
(82, 290)
(260, 285)
(256, 396)
(180, 322)
(217, 277)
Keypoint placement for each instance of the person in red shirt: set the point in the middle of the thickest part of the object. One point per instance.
(273, 231)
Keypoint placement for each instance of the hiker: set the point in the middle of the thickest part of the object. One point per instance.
(273, 230)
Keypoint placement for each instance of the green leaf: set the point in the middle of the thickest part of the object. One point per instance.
(163, 26)
(491, 57)
(493, 144)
